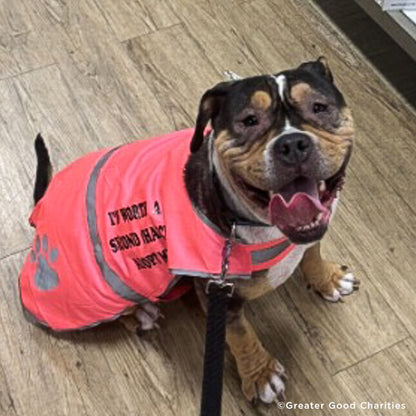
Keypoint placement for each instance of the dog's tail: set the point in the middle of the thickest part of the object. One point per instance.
(43, 169)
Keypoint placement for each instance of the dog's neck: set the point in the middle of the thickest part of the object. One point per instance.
(212, 196)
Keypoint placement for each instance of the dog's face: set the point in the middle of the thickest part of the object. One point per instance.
(282, 144)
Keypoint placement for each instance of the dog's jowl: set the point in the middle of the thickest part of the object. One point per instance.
(119, 230)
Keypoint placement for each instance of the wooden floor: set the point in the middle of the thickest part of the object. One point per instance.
(95, 73)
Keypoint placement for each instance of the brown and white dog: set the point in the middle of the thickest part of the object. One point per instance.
(274, 136)
(274, 164)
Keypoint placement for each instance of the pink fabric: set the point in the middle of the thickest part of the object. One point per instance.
(140, 193)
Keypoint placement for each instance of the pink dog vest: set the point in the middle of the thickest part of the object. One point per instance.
(114, 229)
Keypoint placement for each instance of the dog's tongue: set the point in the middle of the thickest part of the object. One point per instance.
(296, 204)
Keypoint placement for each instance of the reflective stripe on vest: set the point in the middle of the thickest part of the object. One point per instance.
(109, 276)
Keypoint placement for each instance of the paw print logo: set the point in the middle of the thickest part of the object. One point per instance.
(46, 278)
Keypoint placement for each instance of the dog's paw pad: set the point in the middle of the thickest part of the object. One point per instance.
(46, 278)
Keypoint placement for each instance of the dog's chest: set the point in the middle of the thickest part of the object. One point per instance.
(280, 272)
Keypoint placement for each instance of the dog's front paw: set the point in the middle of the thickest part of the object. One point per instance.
(337, 281)
(266, 384)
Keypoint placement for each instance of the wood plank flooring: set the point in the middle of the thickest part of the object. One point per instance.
(95, 73)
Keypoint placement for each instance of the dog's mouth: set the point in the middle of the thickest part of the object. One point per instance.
(301, 209)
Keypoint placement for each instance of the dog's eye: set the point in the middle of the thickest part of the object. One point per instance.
(319, 108)
(250, 121)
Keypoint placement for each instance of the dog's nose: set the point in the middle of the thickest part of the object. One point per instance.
(293, 148)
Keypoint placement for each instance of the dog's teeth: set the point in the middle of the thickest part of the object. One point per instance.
(322, 186)
(319, 217)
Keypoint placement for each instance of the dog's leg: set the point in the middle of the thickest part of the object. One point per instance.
(331, 280)
(261, 374)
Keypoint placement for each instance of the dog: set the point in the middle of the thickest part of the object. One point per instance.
(121, 229)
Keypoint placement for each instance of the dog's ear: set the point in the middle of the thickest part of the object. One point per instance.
(209, 108)
(320, 67)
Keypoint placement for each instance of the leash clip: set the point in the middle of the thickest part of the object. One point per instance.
(220, 284)
(215, 285)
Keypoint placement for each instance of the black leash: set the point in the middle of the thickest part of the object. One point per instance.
(219, 292)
